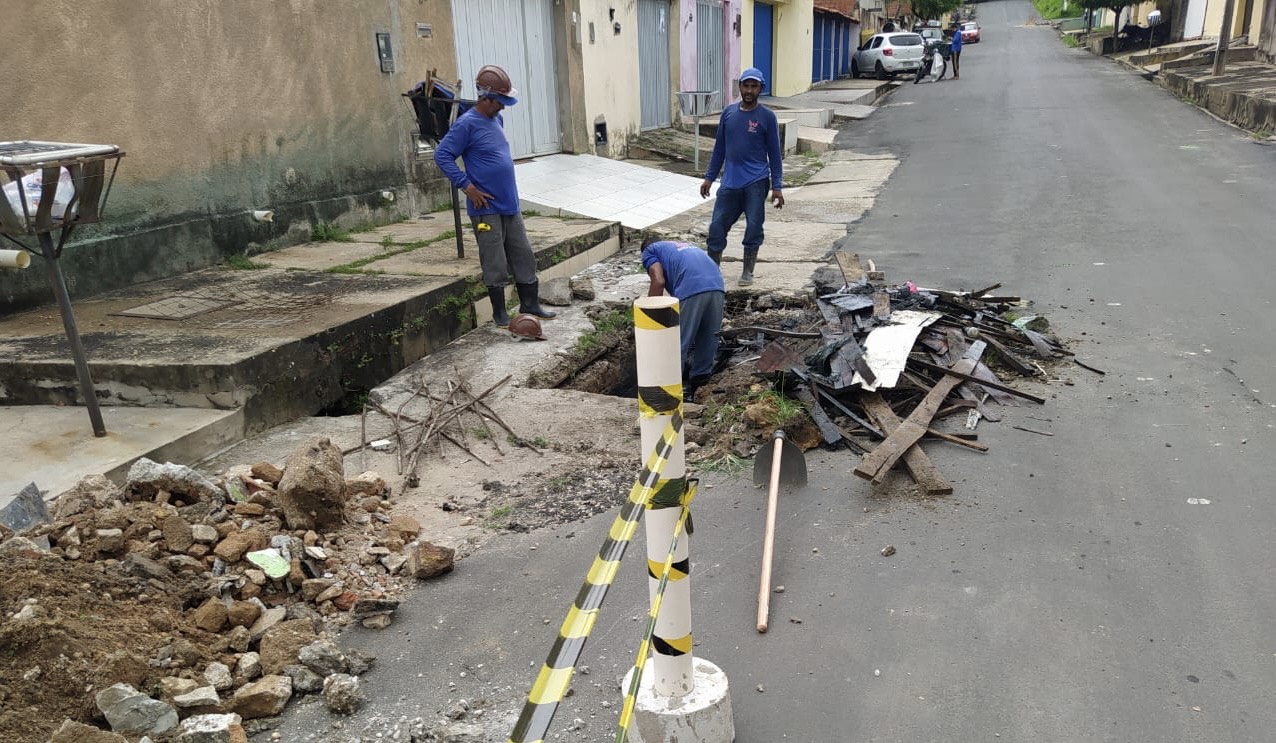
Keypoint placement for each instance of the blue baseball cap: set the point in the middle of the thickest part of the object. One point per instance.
(753, 73)
(506, 100)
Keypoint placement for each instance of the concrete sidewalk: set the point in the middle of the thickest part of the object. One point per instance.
(1245, 95)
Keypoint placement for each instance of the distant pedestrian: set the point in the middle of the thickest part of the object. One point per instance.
(748, 143)
(690, 275)
(956, 51)
(478, 138)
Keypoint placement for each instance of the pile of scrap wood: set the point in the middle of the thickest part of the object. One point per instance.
(886, 363)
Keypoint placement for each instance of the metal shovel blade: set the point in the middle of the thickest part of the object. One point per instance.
(792, 462)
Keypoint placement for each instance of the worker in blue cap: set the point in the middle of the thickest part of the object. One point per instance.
(748, 145)
(478, 138)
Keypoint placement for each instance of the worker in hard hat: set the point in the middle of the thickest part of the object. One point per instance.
(692, 276)
(746, 148)
(478, 138)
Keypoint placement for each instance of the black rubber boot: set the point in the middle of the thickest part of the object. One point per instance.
(717, 257)
(529, 301)
(500, 317)
(746, 276)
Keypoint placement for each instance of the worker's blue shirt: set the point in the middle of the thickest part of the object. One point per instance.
(957, 40)
(688, 269)
(481, 143)
(748, 142)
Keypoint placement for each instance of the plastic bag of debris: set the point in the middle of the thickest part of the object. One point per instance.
(31, 190)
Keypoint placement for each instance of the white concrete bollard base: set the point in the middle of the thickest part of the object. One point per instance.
(703, 716)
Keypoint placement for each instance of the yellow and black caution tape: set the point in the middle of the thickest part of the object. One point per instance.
(552, 682)
(669, 570)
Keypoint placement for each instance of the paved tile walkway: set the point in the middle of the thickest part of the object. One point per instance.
(613, 190)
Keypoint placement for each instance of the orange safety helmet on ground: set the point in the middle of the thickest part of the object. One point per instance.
(527, 326)
(493, 81)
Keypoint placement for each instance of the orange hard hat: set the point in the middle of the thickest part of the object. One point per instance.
(527, 326)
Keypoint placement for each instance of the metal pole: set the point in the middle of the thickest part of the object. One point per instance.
(456, 220)
(1224, 37)
(696, 119)
(659, 357)
(72, 334)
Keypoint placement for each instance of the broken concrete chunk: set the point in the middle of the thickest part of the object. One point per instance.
(145, 568)
(406, 527)
(177, 533)
(343, 694)
(24, 509)
(239, 543)
(248, 667)
(264, 698)
(93, 491)
(203, 696)
(367, 607)
(281, 645)
(394, 563)
(556, 292)
(20, 545)
(312, 587)
(204, 534)
(304, 680)
(359, 662)
(312, 491)
(211, 729)
(365, 484)
(324, 658)
(459, 732)
(146, 479)
(268, 619)
(427, 560)
(210, 616)
(268, 472)
(243, 613)
(172, 686)
(77, 732)
(131, 712)
(582, 288)
(378, 621)
(218, 675)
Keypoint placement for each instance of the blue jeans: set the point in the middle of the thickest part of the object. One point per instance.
(699, 321)
(731, 203)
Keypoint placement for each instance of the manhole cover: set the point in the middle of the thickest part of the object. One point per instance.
(176, 308)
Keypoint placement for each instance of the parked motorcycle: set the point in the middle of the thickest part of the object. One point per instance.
(934, 62)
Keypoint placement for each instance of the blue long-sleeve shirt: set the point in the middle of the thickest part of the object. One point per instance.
(748, 142)
(957, 39)
(481, 143)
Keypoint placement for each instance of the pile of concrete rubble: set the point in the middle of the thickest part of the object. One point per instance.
(265, 560)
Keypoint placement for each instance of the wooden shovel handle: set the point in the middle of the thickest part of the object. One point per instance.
(764, 587)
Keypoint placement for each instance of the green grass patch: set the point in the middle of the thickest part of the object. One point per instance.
(244, 263)
(1070, 40)
(605, 328)
(324, 232)
(727, 464)
(787, 409)
(1053, 9)
(356, 266)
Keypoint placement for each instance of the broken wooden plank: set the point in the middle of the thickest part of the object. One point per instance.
(923, 471)
(1084, 365)
(733, 332)
(852, 271)
(877, 463)
(881, 305)
(777, 357)
(830, 432)
(966, 375)
(819, 391)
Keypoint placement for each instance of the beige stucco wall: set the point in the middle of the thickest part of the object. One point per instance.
(610, 64)
(222, 106)
(794, 46)
(1214, 18)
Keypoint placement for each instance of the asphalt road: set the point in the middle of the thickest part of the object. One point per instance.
(1068, 591)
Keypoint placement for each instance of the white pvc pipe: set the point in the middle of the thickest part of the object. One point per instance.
(14, 259)
(659, 358)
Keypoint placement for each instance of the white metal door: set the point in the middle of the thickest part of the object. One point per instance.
(655, 97)
(518, 35)
(1194, 21)
(711, 66)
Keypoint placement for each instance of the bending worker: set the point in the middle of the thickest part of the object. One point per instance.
(478, 138)
(691, 276)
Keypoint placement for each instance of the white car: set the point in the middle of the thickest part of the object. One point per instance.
(888, 54)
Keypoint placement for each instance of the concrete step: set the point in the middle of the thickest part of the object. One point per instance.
(292, 337)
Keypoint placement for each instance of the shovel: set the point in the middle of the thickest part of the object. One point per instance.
(778, 460)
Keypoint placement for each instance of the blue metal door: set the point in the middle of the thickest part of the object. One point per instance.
(763, 40)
